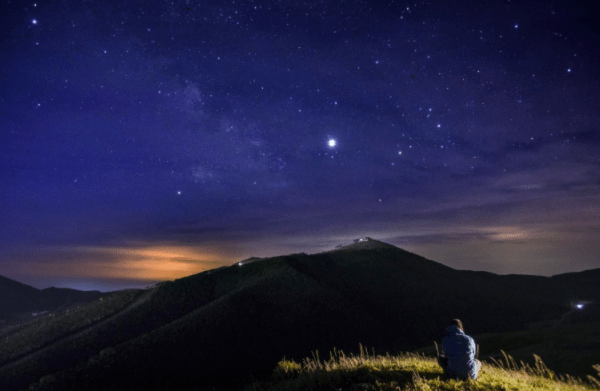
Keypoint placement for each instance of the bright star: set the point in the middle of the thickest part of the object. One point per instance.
(178, 193)
(332, 142)
(34, 21)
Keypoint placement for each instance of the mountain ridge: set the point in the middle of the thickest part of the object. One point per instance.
(242, 319)
(17, 298)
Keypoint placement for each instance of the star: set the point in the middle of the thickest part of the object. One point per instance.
(220, 131)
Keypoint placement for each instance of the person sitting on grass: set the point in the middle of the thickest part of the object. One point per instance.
(458, 353)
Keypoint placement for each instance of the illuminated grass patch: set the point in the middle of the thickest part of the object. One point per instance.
(408, 371)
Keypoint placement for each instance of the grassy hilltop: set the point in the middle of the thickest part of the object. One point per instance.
(409, 371)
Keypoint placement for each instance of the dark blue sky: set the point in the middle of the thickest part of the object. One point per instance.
(141, 141)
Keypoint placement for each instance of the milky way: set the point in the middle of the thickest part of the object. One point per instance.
(468, 133)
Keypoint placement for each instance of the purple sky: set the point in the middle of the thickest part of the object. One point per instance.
(142, 141)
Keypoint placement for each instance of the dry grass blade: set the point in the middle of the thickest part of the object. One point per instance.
(367, 371)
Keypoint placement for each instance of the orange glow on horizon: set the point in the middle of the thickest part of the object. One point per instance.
(150, 263)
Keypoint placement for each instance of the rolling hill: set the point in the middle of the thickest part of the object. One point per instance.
(17, 298)
(224, 327)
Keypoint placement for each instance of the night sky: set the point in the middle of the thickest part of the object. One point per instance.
(149, 140)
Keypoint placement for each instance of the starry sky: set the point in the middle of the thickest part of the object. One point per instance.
(149, 140)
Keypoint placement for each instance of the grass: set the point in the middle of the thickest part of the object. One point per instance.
(414, 372)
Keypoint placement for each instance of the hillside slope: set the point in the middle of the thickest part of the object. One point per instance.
(236, 322)
(17, 298)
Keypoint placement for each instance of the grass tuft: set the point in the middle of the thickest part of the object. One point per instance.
(413, 372)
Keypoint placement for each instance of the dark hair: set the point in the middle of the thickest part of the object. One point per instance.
(457, 323)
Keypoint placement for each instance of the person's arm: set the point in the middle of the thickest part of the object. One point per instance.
(472, 348)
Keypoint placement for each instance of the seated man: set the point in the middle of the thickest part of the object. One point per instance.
(458, 353)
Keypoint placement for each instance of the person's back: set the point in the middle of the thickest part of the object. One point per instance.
(460, 349)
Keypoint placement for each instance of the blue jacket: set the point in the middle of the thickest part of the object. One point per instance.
(460, 350)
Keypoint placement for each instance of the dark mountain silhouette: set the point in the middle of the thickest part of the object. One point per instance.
(222, 327)
(17, 298)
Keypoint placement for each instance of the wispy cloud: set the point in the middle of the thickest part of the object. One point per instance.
(135, 262)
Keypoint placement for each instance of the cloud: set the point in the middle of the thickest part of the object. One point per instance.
(137, 262)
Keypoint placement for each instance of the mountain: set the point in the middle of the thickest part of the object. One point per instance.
(17, 298)
(223, 327)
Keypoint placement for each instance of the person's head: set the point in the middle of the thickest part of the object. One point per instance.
(457, 323)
